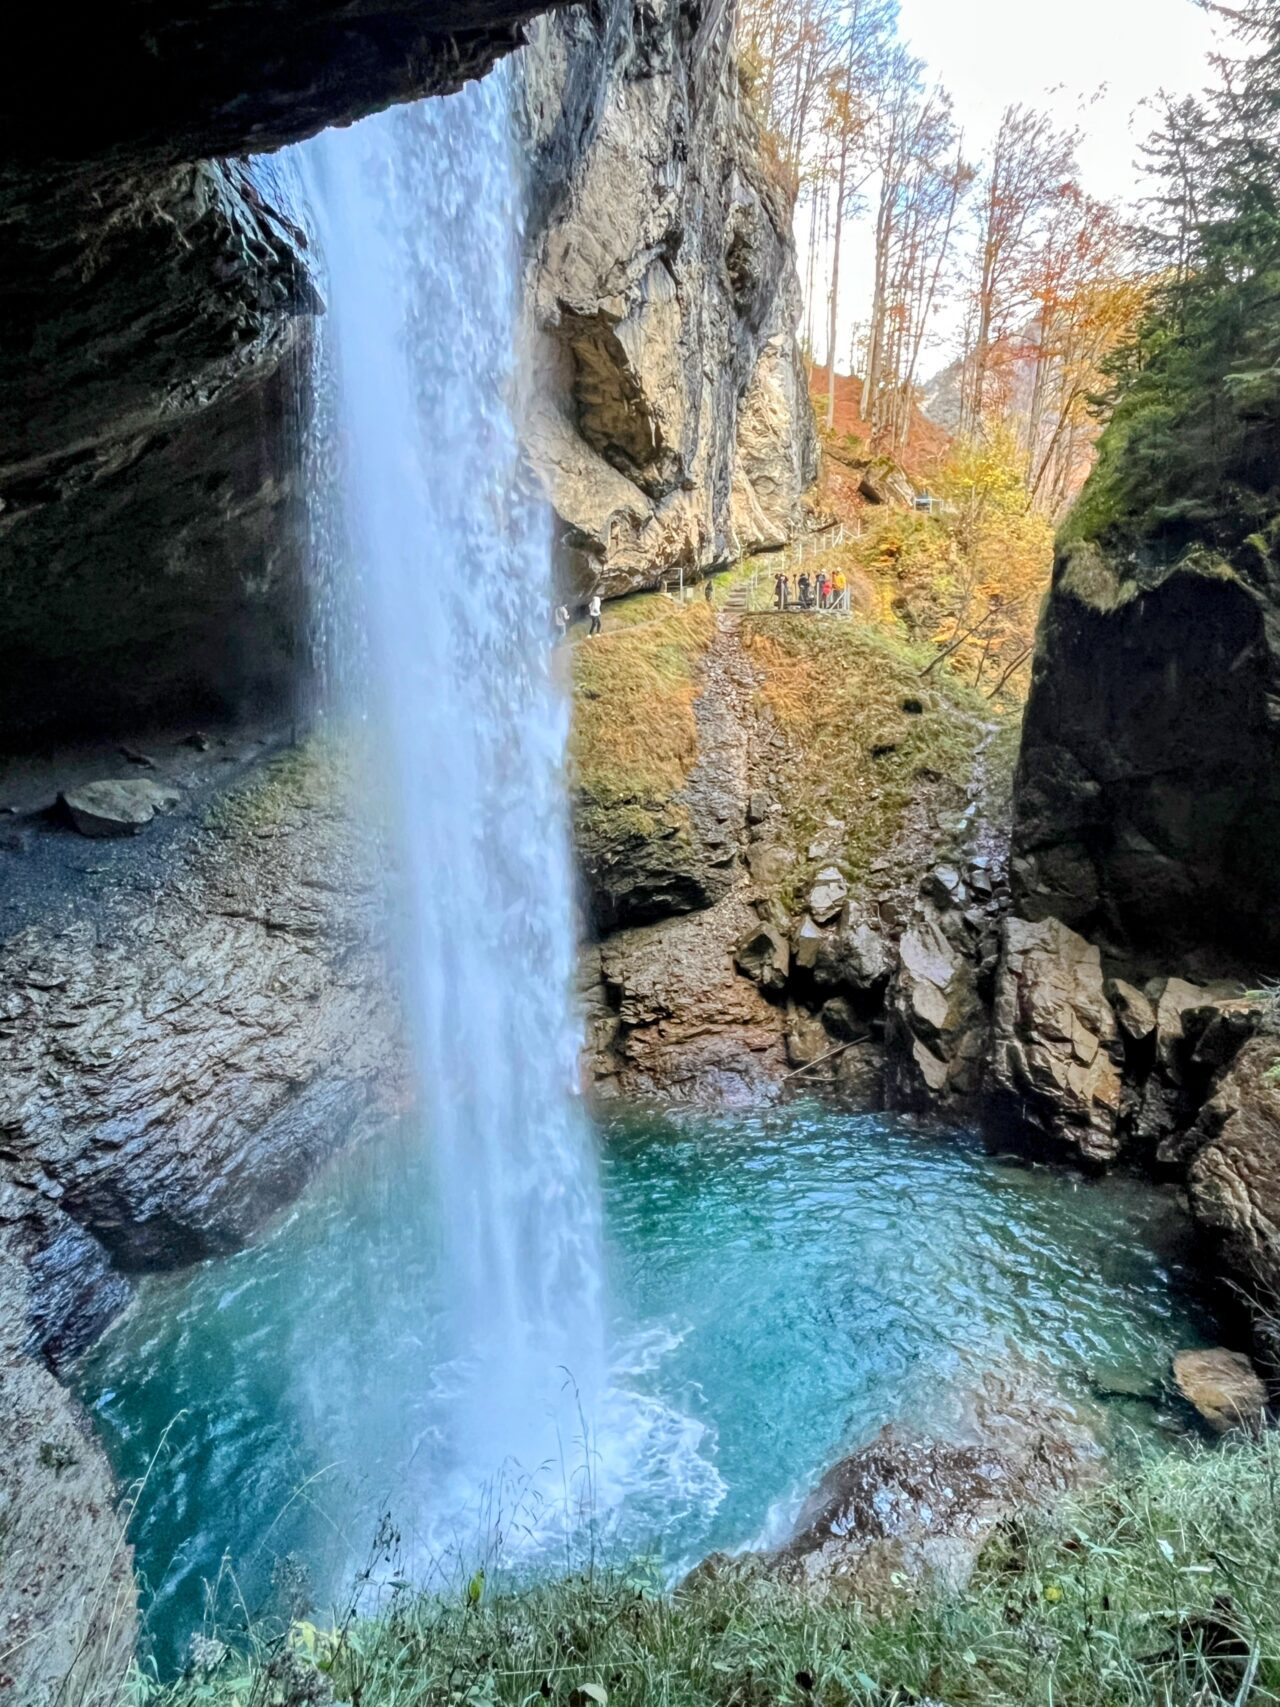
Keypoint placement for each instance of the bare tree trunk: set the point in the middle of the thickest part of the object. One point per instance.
(835, 286)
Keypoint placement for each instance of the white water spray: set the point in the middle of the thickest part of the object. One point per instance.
(419, 215)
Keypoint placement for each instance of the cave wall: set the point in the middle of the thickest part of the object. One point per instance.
(667, 413)
(156, 312)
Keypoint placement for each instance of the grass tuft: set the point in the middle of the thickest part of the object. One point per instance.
(1158, 1590)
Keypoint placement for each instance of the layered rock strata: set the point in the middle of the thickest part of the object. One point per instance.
(156, 303)
(185, 1038)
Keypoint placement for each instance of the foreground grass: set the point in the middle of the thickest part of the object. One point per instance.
(1161, 1588)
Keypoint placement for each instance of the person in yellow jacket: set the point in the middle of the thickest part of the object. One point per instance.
(839, 585)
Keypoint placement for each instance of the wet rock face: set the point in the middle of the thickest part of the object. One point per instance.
(668, 416)
(196, 80)
(68, 1609)
(1147, 805)
(152, 528)
(213, 1042)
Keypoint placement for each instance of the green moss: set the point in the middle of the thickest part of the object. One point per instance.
(1089, 575)
(316, 773)
(634, 738)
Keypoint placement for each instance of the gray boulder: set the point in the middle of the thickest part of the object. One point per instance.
(856, 957)
(118, 807)
(937, 1020)
(764, 956)
(1135, 1013)
(808, 944)
(828, 895)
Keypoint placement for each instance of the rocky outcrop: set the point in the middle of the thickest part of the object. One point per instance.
(939, 1019)
(198, 80)
(152, 530)
(1056, 1053)
(1100, 1065)
(908, 1515)
(668, 414)
(68, 1608)
(1234, 1167)
(1147, 805)
(180, 1052)
(646, 859)
(675, 1017)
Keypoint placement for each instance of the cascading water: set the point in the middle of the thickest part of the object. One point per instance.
(419, 219)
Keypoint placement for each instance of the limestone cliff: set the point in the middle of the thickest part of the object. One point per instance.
(668, 417)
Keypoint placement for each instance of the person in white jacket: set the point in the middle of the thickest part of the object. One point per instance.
(593, 611)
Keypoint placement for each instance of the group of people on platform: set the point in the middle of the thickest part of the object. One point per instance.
(817, 592)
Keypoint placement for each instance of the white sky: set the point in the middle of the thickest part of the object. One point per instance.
(1092, 63)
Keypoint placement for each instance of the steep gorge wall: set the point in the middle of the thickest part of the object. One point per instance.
(155, 311)
(158, 312)
(1148, 796)
(1146, 840)
(667, 412)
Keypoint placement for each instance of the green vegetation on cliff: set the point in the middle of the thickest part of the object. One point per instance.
(1162, 1588)
(634, 737)
(1191, 455)
(867, 728)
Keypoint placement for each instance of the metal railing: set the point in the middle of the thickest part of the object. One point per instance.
(805, 548)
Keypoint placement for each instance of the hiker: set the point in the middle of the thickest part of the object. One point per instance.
(562, 623)
(802, 586)
(593, 611)
(781, 591)
(708, 592)
(838, 586)
(824, 591)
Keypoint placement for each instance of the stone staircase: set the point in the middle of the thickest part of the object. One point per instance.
(738, 601)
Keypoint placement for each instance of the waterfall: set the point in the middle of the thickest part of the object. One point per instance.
(418, 213)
